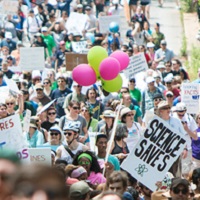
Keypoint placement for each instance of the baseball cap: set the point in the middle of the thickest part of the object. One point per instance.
(78, 172)
(44, 29)
(79, 189)
(163, 104)
(157, 96)
(61, 42)
(169, 93)
(163, 42)
(180, 106)
(55, 128)
(88, 8)
(39, 86)
(150, 45)
(179, 181)
(79, 6)
(72, 126)
(150, 79)
(8, 35)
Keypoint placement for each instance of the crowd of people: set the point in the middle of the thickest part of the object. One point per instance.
(79, 122)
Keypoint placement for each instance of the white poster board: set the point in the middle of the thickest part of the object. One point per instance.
(190, 95)
(79, 47)
(104, 22)
(9, 6)
(155, 153)
(27, 119)
(40, 156)
(76, 23)
(11, 136)
(4, 93)
(32, 58)
(12, 86)
(137, 64)
(92, 136)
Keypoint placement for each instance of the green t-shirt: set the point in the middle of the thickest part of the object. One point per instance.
(50, 43)
(138, 112)
(54, 85)
(136, 94)
(157, 38)
(93, 125)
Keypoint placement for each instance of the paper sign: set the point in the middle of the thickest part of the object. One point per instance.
(46, 107)
(32, 58)
(190, 95)
(40, 155)
(12, 86)
(104, 22)
(79, 47)
(92, 136)
(4, 93)
(155, 153)
(27, 119)
(137, 64)
(74, 59)
(76, 23)
(10, 6)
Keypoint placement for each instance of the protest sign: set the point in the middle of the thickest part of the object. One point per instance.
(27, 119)
(76, 23)
(40, 155)
(44, 108)
(190, 95)
(12, 86)
(4, 93)
(74, 59)
(11, 136)
(104, 22)
(79, 47)
(9, 6)
(32, 58)
(137, 64)
(155, 153)
(92, 136)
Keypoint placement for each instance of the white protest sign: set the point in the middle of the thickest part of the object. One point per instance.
(12, 86)
(27, 119)
(92, 136)
(190, 95)
(32, 58)
(76, 23)
(104, 22)
(10, 6)
(44, 108)
(155, 153)
(4, 93)
(40, 155)
(11, 136)
(137, 64)
(79, 47)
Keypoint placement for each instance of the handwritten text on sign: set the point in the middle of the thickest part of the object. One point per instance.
(155, 153)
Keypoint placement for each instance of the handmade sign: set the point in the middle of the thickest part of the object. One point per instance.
(155, 153)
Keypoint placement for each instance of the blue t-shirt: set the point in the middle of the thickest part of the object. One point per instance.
(196, 146)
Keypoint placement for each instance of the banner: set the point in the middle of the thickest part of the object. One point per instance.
(190, 95)
(76, 23)
(32, 58)
(79, 47)
(11, 136)
(40, 155)
(104, 22)
(155, 153)
(137, 64)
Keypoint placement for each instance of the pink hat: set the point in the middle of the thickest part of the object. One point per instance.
(71, 181)
(78, 172)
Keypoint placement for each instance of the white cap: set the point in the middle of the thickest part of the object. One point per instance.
(79, 6)
(150, 79)
(150, 45)
(8, 35)
(44, 29)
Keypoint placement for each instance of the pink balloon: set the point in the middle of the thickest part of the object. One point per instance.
(84, 75)
(122, 58)
(109, 68)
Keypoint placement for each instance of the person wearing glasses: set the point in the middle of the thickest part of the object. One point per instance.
(88, 160)
(3, 111)
(60, 93)
(40, 96)
(74, 116)
(71, 132)
(55, 137)
(51, 119)
(169, 98)
(47, 87)
(51, 74)
(134, 128)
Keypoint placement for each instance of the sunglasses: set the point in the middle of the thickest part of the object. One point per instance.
(158, 99)
(177, 191)
(45, 83)
(56, 134)
(168, 83)
(11, 103)
(53, 113)
(68, 133)
(78, 86)
(132, 81)
(180, 111)
(166, 108)
(129, 115)
(25, 92)
(83, 162)
(39, 89)
(183, 122)
(124, 92)
(169, 96)
(76, 108)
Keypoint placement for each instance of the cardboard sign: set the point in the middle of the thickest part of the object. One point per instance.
(190, 95)
(11, 136)
(137, 64)
(79, 47)
(76, 23)
(155, 153)
(27, 119)
(10, 6)
(40, 155)
(74, 59)
(104, 22)
(32, 58)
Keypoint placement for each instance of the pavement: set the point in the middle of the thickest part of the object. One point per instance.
(168, 17)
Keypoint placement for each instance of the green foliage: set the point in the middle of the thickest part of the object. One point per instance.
(188, 6)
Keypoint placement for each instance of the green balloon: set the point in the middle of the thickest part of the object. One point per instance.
(95, 55)
(113, 85)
